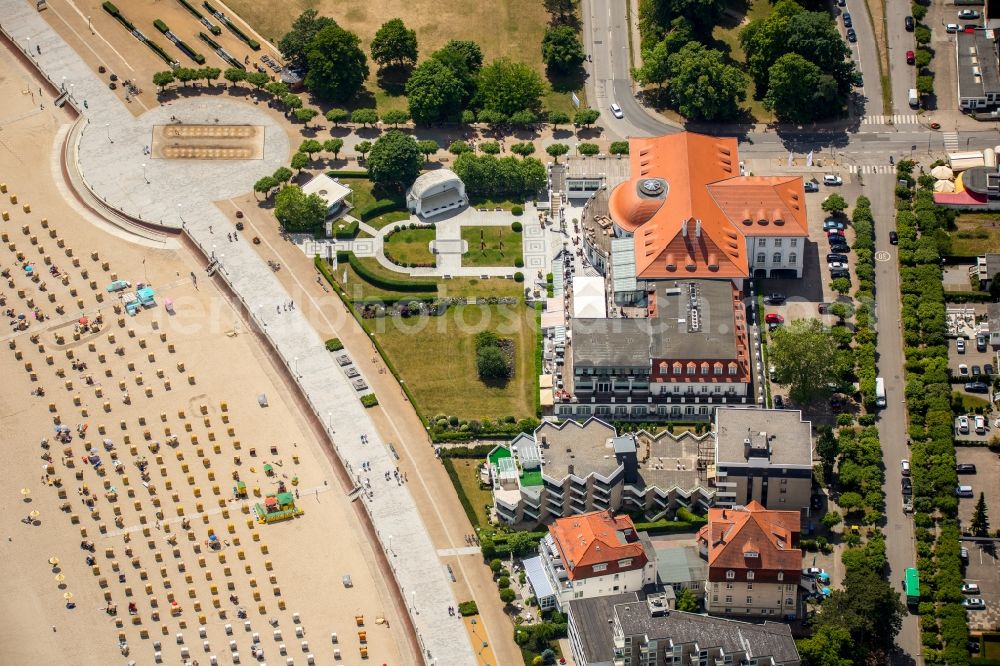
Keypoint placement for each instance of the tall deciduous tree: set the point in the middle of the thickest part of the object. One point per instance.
(395, 117)
(163, 79)
(805, 359)
(333, 146)
(834, 204)
(561, 49)
(506, 87)
(305, 115)
(655, 68)
(337, 65)
(868, 608)
(265, 185)
(799, 91)
(428, 147)
(586, 117)
(295, 44)
(297, 211)
(394, 44)
(337, 116)
(363, 148)
(257, 79)
(703, 86)
(557, 149)
(464, 59)
(434, 93)
(395, 160)
(234, 75)
(365, 116)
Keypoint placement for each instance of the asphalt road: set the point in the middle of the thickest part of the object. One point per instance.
(904, 76)
(892, 420)
(865, 54)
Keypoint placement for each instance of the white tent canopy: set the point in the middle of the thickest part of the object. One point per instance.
(589, 301)
(942, 172)
(944, 186)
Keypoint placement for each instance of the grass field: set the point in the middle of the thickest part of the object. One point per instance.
(977, 234)
(436, 358)
(358, 289)
(512, 28)
(468, 485)
(737, 16)
(491, 246)
(411, 246)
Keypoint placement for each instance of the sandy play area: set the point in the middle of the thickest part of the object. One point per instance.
(129, 443)
(208, 142)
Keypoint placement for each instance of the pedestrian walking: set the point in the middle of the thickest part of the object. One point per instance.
(38, 47)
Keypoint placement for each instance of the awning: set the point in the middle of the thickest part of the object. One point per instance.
(546, 398)
(539, 582)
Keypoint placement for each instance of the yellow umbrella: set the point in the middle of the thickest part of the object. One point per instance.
(34, 514)
(60, 578)
(25, 492)
(53, 560)
(67, 595)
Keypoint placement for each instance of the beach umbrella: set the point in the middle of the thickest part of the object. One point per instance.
(942, 171)
(84, 321)
(25, 492)
(34, 514)
(29, 269)
(21, 316)
(212, 537)
(60, 578)
(67, 595)
(824, 576)
(826, 591)
(53, 560)
(944, 186)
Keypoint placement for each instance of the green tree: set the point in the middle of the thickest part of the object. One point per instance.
(491, 365)
(834, 204)
(799, 91)
(656, 60)
(337, 116)
(980, 521)
(186, 75)
(291, 102)
(305, 115)
(334, 146)
(394, 117)
(523, 118)
(588, 149)
(163, 79)
(295, 44)
(925, 84)
(490, 147)
(365, 117)
(830, 519)
(562, 51)
(265, 185)
(394, 44)
(506, 87)
(618, 148)
(282, 174)
(868, 608)
(828, 448)
(464, 59)
(557, 149)
(210, 74)
(841, 285)
(257, 79)
(557, 118)
(234, 75)
(703, 14)
(428, 147)
(523, 149)
(458, 147)
(395, 160)
(586, 117)
(310, 147)
(434, 92)
(363, 148)
(297, 211)
(686, 601)
(507, 595)
(805, 359)
(922, 35)
(300, 161)
(562, 9)
(337, 67)
(828, 646)
(278, 89)
(703, 86)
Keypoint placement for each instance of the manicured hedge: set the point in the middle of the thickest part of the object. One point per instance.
(347, 231)
(378, 208)
(347, 173)
(478, 452)
(161, 26)
(110, 8)
(369, 400)
(334, 344)
(384, 282)
(470, 513)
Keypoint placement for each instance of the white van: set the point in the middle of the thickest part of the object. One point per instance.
(914, 100)
(905, 465)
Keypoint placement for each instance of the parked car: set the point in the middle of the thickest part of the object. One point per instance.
(980, 424)
(976, 371)
(981, 342)
(847, 20)
(775, 299)
(832, 223)
(616, 111)
(963, 427)
(963, 553)
(907, 485)
(840, 248)
(968, 14)
(974, 603)
(965, 468)
(779, 402)
(970, 588)
(988, 369)
(977, 387)
(909, 23)
(893, 238)
(773, 318)
(832, 179)
(951, 27)
(904, 465)
(811, 186)
(907, 504)
(851, 35)
(839, 273)
(832, 257)
(963, 370)
(911, 58)
(837, 265)
(960, 345)
(812, 572)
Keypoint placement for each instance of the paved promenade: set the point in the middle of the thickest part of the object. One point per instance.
(173, 193)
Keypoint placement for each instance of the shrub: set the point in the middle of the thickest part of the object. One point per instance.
(110, 8)
(334, 344)
(369, 400)
(503, 582)
(344, 230)
(507, 595)
(160, 25)
(517, 210)
(385, 282)
(467, 608)
(496, 565)
(373, 210)
(516, 227)
(519, 263)
(519, 277)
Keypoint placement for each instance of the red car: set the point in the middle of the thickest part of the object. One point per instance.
(773, 318)
(910, 58)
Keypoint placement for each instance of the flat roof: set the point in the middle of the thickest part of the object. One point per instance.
(587, 447)
(590, 616)
(978, 69)
(540, 583)
(680, 564)
(788, 437)
(676, 332)
(330, 190)
(589, 300)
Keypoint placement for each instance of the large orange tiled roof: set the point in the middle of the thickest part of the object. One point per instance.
(699, 228)
(596, 538)
(732, 533)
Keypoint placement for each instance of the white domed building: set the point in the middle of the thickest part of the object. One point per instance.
(436, 192)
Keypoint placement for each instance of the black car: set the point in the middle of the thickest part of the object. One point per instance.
(907, 485)
(847, 20)
(840, 273)
(894, 238)
(851, 35)
(976, 371)
(779, 402)
(988, 369)
(908, 22)
(842, 258)
(965, 468)
(774, 299)
(977, 387)
(840, 248)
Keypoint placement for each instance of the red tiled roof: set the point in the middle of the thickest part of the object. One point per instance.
(733, 533)
(700, 228)
(597, 538)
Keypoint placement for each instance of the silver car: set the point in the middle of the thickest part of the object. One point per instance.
(616, 111)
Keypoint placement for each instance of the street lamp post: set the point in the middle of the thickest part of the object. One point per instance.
(107, 126)
(390, 546)
(329, 421)
(296, 361)
(144, 177)
(180, 214)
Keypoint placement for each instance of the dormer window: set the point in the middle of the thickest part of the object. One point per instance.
(624, 563)
(600, 567)
(730, 575)
(781, 576)
(677, 368)
(749, 575)
(691, 368)
(751, 553)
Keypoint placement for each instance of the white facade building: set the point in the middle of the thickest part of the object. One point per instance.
(436, 192)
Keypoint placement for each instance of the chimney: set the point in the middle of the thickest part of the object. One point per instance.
(697, 228)
(723, 514)
(684, 229)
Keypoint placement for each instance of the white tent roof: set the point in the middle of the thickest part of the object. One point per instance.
(588, 298)
(330, 190)
(944, 186)
(429, 179)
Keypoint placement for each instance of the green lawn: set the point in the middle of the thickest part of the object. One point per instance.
(366, 193)
(977, 234)
(410, 246)
(389, 218)
(726, 34)
(435, 356)
(492, 246)
(468, 287)
(466, 471)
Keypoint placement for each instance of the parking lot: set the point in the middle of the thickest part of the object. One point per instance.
(984, 570)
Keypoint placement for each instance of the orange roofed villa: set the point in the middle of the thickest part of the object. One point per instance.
(676, 236)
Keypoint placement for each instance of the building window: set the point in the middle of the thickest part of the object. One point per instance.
(794, 242)
(624, 563)
(749, 586)
(776, 258)
(715, 597)
(718, 368)
(729, 599)
(777, 242)
(784, 482)
(792, 258)
(789, 601)
(730, 575)
(781, 576)
(761, 242)
(749, 600)
(761, 257)
(733, 369)
(729, 586)
(677, 368)
(691, 368)
(749, 575)
(600, 567)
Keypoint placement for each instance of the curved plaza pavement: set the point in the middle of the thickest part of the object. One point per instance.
(169, 193)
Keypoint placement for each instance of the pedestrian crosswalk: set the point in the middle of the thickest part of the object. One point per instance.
(871, 168)
(897, 119)
(950, 141)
